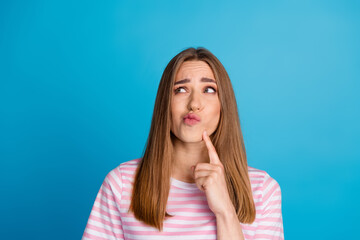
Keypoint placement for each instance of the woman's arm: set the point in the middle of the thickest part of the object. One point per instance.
(104, 221)
(228, 226)
(210, 178)
(270, 221)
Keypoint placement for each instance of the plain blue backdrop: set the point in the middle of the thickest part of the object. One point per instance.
(79, 81)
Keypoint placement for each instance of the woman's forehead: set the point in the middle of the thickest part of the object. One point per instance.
(190, 69)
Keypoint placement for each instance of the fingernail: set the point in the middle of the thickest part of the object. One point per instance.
(205, 133)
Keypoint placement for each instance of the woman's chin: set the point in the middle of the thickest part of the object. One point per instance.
(187, 139)
(191, 139)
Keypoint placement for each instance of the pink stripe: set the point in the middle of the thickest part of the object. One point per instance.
(126, 189)
(272, 228)
(267, 182)
(114, 183)
(128, 175)
(271, 191)
(248, 227)
(128, 169)
(183, 218)
(258, 204)
(267, 236)
(257, 196)
(190, 225)
(88, 235)
(192, 210)
(270, 219)
(103, 230)
(212, 222)
(272, 210)
(257, 188)
(103, 193)
(108, 206)
(197, 202)
(155, 232)
(247, 236)
(275, 202)
(118, 174)
(256, 181)
(107, 214)
(105, 222)
(195, 218)
(196, 194)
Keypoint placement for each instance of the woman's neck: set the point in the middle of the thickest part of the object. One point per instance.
(186, 155)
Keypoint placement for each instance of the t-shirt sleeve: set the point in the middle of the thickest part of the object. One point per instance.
(271, 223)
(104, 221)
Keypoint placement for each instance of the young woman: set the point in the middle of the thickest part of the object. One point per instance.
(193, 181)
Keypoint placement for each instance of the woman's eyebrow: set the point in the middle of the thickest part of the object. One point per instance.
(204, 79)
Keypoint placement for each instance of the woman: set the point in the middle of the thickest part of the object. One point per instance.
(193, 181)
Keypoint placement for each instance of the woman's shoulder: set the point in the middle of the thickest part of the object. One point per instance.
(129, 165)
(262, 179)
(267, 198)
(127, 168)
(123, 170)
(257, 174)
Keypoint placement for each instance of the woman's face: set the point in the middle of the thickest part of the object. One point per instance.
(194, 93)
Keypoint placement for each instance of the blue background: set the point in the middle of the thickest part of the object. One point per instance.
(78, 86)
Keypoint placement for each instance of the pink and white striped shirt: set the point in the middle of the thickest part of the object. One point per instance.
(109, 217)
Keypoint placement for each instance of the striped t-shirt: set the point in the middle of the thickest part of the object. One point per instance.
(109, 217)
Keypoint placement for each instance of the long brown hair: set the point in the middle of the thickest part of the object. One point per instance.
(152, 179)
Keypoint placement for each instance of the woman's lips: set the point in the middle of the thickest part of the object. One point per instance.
(191, 119)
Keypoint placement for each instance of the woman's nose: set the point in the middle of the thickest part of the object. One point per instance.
(194, 102)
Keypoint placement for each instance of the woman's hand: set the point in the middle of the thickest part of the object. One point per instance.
(210, 178)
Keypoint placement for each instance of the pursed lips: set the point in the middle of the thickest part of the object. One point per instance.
(191, 119)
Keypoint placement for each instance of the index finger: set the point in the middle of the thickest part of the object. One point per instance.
(214, 158)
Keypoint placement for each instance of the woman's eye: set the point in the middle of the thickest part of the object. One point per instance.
(207, 90)
(179, 89)
(212, 90)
